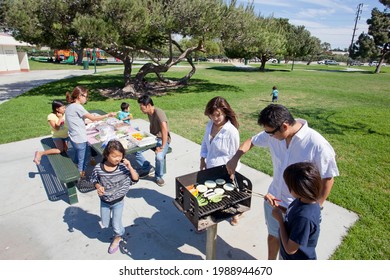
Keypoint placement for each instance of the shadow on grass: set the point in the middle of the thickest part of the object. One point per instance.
(95, 83)
(343, 71)
(92, 82)
(320, 120)
(200, 86)
(231, 68)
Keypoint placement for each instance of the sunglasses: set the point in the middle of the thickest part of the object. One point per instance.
(84, 95)
(270, 133)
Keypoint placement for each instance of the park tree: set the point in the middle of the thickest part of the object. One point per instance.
(124, 29)
(250, 35)
(150, 28)
(313, 49)
(299, 42)
(48, 23)
(379, 29)
(364, 48)
(386, 3)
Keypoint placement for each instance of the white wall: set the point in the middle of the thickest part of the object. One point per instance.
(9, 60)
(23, 61)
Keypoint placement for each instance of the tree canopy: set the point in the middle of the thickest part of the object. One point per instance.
(165, 31)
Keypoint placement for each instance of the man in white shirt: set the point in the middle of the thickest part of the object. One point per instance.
(290, 141)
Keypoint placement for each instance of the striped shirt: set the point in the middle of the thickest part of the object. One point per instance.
(116, 183)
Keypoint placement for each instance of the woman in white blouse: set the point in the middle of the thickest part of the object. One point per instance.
(221, 139)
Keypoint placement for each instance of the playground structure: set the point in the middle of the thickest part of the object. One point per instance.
(69, 56)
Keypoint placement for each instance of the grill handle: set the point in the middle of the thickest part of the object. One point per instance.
(242, 182)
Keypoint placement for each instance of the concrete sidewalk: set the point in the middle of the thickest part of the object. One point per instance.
(17, 83)
(36, 222)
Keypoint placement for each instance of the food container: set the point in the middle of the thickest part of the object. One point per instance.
(142, 138)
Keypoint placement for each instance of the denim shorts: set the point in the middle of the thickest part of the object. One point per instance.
(272, 224)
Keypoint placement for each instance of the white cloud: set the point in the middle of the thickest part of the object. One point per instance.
(279, 3)
(316, 13)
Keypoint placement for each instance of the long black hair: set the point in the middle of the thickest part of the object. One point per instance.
(55, 105)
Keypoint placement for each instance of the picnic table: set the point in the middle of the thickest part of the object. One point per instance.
(98, 145)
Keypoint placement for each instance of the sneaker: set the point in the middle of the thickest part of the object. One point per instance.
(114, 246)
(160, 182)
(144, 173)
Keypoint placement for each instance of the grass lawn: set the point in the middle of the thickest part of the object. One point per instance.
(349, 108)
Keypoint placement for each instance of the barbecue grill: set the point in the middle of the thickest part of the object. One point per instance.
(208, 216)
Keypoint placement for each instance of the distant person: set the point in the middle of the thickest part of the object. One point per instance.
(75, 116)
(300, 228)
(221, 139)
(112, 179)
(124, 115)
(159, 127)
(289, 141)
(275, 94)
(59, 131)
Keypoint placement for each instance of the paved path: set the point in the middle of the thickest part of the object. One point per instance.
(36, 222)
(17, 83)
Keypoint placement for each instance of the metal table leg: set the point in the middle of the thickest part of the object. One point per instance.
(211, 242)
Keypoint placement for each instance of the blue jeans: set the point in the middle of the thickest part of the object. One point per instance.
(145, 165)
(81, 154)
(113, 211)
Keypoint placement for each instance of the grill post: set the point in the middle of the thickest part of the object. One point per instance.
(211, 242)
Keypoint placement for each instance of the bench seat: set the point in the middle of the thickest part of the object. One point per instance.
(64, 168)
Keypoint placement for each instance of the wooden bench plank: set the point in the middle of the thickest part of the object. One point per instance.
(64, 168)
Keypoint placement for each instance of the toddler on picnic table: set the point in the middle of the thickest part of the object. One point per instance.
(125, 114)
(112, 178)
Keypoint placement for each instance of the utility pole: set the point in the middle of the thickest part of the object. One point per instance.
(358, 13)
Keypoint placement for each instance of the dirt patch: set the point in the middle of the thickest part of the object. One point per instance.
(153, 89)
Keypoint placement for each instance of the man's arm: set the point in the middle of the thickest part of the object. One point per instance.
(164, 136)
(327, 184)
(232, 164)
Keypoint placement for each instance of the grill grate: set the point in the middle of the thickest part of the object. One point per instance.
(212, 213)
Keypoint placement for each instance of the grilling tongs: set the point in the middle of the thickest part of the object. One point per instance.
(235, 182)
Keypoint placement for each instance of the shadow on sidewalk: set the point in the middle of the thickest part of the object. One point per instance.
(168, 235)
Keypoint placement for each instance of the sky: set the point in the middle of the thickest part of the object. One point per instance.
(331, 21)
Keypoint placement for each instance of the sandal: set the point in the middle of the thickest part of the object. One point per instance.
(235, 219)
(114, 246)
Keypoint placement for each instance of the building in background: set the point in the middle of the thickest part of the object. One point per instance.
(10, 59)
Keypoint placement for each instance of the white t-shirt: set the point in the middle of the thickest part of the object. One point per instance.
(75, 113)
(307, 145)
(223, 147)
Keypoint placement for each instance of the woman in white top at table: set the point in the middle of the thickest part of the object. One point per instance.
(75, 118)
(221, 139)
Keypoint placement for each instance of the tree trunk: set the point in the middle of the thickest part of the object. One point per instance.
(128, 63)
(80, 53)
(263, 62)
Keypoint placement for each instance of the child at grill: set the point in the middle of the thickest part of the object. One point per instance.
(112, 178)
(124, 114)
(300, 229)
